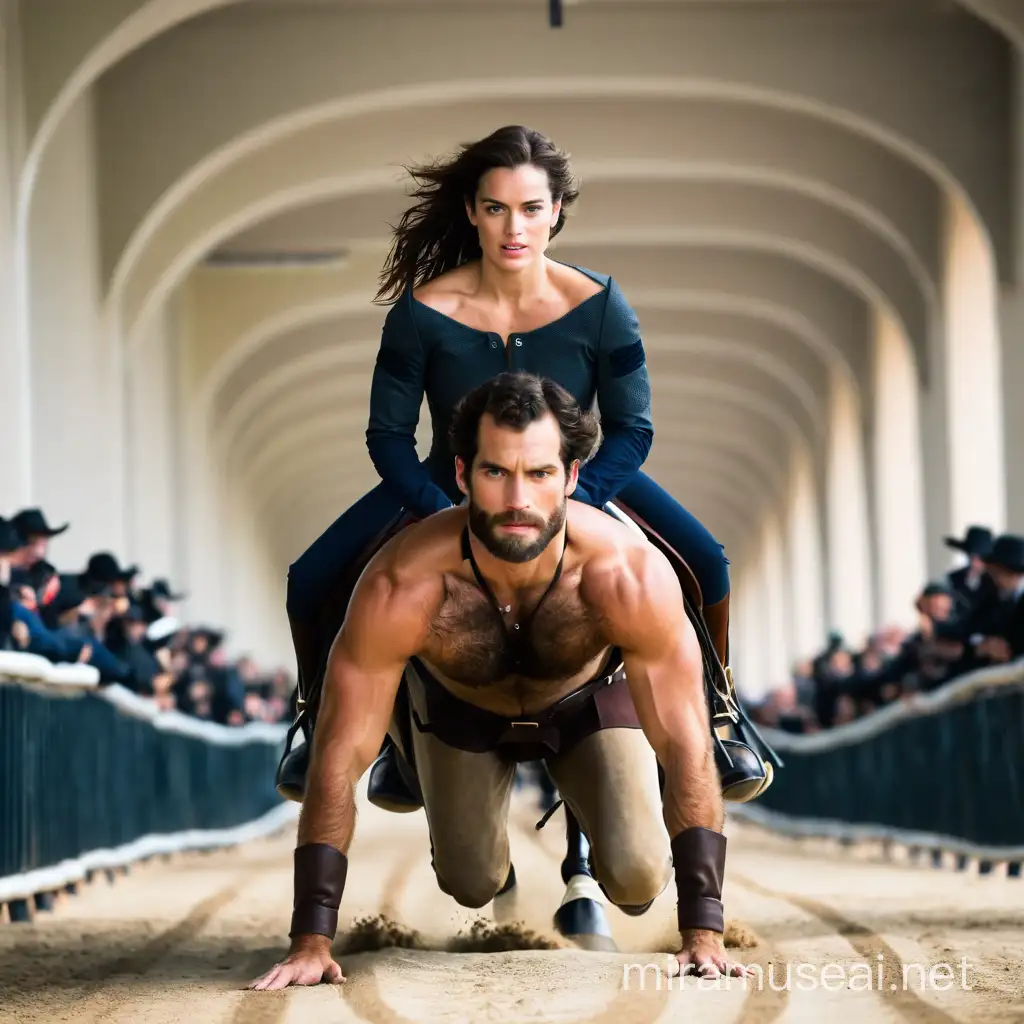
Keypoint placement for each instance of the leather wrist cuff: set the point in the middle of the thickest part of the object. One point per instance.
(320, 872)
(698, 855)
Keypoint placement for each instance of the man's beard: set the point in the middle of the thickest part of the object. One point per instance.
(511, 547)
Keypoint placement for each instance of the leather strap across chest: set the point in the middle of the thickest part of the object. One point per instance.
(467, 553)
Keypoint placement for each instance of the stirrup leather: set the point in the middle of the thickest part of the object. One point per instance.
(725, 706)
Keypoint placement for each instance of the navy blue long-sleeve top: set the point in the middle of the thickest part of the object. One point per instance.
(594, 351)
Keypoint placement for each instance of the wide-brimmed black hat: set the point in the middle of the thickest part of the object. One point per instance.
(40, 573)
(1007, 552)
(213, 637)
(976, 541)
(71, 594)
(10, 539)
(161, 589)
(104, 568)
(30, 522)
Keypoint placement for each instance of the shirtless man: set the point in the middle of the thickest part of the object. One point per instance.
(483, 618)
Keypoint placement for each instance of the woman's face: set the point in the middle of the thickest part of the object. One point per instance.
(514, 215)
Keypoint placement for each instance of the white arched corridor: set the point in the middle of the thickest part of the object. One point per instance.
(818, 227)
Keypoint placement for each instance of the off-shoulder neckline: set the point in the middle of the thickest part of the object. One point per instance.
(605, 287)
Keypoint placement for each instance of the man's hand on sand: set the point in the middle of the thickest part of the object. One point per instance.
(309, 964)
(703, 954)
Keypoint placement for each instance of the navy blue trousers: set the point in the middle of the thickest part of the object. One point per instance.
(315, 571)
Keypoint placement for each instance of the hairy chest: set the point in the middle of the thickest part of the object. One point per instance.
(477, 646)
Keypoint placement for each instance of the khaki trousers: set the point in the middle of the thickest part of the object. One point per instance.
(609, 780)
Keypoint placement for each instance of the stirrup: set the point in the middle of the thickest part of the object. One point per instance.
(746, 762)
(290, 778)
(392, 785)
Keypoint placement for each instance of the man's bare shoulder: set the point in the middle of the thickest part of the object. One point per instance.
(625, 578)
(404, 581)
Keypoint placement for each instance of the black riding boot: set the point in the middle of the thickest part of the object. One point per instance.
(392, 784)
(290, 780)
(743, 772)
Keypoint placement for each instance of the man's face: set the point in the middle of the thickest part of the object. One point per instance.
(517, 488)
(1005, 579)
(28, 554)
(938, 607)
(36, 548)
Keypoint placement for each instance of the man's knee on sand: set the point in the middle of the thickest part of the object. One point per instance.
(470, 885)
(632, 878)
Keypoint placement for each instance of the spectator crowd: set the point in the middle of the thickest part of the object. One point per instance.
(972, 618)
(130, 634)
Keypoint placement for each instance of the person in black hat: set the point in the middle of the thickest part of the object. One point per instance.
(64, 611)
(971, 584)
(10, 542)
(203, 642)
(158, 601)
(65, 638)
(36, 533)
(998, 630)
(105, 571)
(926, 658)
(48, 643)
(125, 636)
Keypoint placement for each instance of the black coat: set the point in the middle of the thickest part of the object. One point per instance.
(969, 601)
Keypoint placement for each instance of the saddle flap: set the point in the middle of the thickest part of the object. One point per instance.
(718, 683)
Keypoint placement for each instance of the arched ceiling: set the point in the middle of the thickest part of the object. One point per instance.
(758, 177)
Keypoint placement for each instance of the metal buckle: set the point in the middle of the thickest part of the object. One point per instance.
(536, 725)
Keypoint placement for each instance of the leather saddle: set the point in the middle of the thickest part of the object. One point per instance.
(745, 773)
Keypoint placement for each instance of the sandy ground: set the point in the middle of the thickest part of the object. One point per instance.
(179, 941)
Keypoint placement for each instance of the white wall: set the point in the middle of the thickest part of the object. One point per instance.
(1012, 334)
(152, 439)
(806, 565)
(849, 545)
(255, 586)
(77, 414)
(14, 421)
(974, 400)
(778, 651)
(899, 489)
(748, 633)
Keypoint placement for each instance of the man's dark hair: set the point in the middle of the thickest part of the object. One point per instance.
(515, 400)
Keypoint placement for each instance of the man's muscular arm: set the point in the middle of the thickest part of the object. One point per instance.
(647, 619)
(384, 627)
(645, 616)
(387, 619)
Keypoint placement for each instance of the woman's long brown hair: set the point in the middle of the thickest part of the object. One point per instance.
(435, 235)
